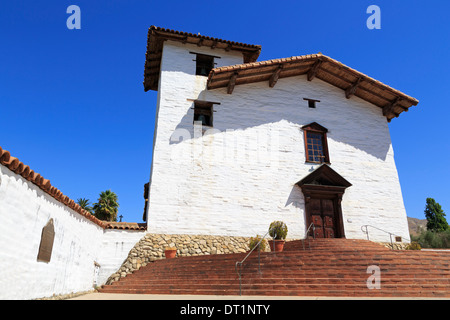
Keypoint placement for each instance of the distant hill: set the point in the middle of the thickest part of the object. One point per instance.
(416, 225)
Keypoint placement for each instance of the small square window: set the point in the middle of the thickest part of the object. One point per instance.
(203, 112)
(311, 102)
(204, 64)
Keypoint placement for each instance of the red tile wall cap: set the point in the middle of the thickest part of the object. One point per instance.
(23, 170)
(126, 226)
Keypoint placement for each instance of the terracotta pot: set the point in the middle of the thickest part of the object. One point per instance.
(279, 245)
(170, 253)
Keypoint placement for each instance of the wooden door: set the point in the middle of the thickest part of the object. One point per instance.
(315, 213)
(323, 214)
(328, 213)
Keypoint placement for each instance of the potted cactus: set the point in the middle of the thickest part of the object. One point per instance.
(170, 252)
(278, 231)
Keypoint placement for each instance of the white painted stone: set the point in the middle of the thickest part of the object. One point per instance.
(242, 176)
(25, 209)
(115, 247)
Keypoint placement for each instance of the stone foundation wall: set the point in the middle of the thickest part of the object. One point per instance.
(151, 247)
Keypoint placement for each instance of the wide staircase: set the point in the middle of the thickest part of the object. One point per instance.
(321, 267)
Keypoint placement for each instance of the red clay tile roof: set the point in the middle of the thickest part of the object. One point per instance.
(126, 226)
(325, 68)
(353, 82)
(27, 173)
(157, 36)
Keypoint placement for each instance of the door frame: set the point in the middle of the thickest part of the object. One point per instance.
(325, 183)
(333, 193)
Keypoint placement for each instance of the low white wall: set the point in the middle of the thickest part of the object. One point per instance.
(24, 210)
(116, 244)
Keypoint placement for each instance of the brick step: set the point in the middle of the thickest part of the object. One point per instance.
(294, 278)
(278, 280)
(299, 266)
(298, 290)
(350, 264)
(281, 286)
(293, 291)
(349, 291)
(330, 272)
(402, 258)
(335, 274)
(311, 255)
(348, 258)
(311, 260)
(171, 291)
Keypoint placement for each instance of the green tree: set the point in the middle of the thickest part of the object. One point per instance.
(107, 206)
(84, 203)
(435, 216)
(431, 239)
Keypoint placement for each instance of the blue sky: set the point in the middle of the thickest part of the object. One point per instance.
(73, 107)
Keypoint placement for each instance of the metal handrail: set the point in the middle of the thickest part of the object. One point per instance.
(306, 237)
(240, 263)
(390, 233)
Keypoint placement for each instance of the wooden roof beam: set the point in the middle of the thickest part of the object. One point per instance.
(389, 108)
(275, 76)
(352, 89)
(313, 72)
(232, 83)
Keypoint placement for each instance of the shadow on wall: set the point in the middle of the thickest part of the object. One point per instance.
(359, 132)
(296, 198)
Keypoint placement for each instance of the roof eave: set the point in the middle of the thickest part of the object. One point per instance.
(351, 81)
(156, 37)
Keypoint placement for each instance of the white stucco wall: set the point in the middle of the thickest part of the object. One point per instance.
(241, 177)
(24, 210)
(115, 247)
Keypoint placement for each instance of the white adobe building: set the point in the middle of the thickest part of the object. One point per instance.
(240, 143)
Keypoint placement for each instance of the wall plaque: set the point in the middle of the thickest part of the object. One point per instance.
(46, 246)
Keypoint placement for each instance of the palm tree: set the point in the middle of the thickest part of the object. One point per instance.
(84, 203)
(107, 206)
